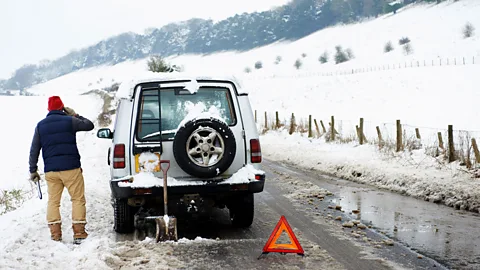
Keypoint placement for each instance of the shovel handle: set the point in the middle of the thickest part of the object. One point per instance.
(167, 167)
(164, 170)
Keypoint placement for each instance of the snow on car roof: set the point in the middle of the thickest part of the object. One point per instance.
(125, 89)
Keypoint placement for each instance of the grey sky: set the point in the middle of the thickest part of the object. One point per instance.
(33, 30)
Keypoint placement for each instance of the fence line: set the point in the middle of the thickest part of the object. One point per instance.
(454, 144)
(440, 62)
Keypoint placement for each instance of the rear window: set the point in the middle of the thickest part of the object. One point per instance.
(164, 109)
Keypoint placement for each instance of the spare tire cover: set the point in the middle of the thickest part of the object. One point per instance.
(204, 148)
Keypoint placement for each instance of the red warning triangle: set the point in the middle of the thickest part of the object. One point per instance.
(292, 247)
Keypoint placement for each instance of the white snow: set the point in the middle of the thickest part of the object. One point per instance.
(148, 161)
(200, 111)
(192, 86)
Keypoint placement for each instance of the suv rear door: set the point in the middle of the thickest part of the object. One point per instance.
(164, 105)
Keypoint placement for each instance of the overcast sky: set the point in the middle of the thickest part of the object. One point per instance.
(33, 30)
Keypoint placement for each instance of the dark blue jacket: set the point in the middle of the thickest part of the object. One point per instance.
(56, 137)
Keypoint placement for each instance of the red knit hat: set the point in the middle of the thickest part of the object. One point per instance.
(55, 103)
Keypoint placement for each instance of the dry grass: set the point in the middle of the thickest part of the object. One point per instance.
(10, 200)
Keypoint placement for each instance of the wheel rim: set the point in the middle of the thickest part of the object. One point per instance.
(205, 147)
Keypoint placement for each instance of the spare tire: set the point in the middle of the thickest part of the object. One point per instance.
(204, 148)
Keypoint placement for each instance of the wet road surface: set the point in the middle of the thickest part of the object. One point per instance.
(450, 236)
(421, 230)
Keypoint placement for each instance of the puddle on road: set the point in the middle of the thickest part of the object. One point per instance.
(443, 233)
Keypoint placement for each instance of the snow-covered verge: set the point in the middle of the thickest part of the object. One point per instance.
(411, 173)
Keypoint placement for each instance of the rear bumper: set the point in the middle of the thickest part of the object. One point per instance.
(215, 188)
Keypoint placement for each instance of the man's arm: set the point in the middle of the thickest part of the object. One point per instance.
(34, 151)
(81, 123)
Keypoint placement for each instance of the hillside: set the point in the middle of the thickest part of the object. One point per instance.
(436, 36)
(241, 32)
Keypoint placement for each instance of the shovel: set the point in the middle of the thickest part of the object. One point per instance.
(166, 225)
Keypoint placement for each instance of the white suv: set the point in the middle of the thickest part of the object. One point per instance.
(205, 127)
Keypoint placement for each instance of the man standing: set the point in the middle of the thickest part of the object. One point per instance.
(56, 137)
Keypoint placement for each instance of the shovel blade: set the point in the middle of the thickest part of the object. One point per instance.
(166, 229)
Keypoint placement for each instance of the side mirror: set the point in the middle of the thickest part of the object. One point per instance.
(105, 133)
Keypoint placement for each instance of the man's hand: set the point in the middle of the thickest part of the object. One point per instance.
(69, 111)
(34, 177)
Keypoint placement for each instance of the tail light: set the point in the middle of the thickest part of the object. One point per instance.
(119, 156)
(255, 151)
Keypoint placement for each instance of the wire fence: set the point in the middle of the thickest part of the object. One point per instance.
(434, 141)
(356, 69)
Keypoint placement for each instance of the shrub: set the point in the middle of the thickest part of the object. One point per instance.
(323, 58)
(298, 64)
(304, 55)
(278, 60)
(158, 64)
(407, 49)
(468, 30)
(350, 54)
(403, 40)
(343, 56)
(10, 200)
(388, 47)
(258, 65)
(247, 70)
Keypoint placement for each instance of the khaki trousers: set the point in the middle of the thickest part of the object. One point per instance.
(73, 181)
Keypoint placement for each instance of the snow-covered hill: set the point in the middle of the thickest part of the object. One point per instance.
(435, 32)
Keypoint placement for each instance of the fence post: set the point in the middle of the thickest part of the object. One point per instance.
(332, 128)
(441, 61)
(277, 121)
(440, 141)
(323, 127)
(451, 147)
(316, 127)
(362, 136)
(417, 132)
(266, 121)
(463, 60)
(292, 125)
(418, 64)
(380, 139)
(399, 136)
(475, 150)
(310, 133)
(255, 116)
(455, 61)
